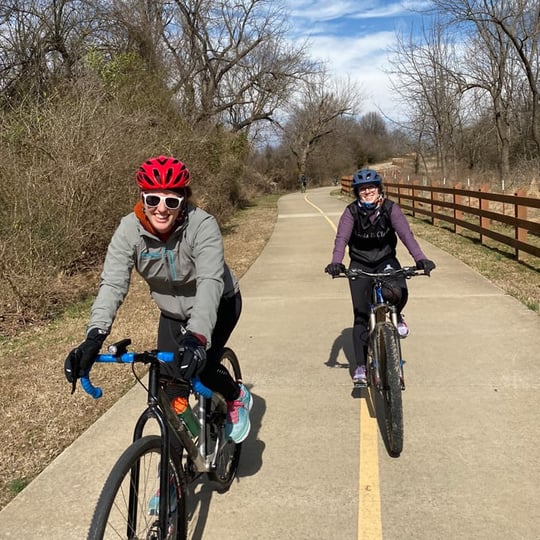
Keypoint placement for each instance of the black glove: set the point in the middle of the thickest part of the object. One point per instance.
(426, 265)
(80, 359)
(334, 269)
(191, 355)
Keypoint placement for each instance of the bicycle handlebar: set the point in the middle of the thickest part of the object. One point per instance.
(130, 358)
(405, 271)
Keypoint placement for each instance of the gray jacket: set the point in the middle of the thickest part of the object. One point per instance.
(187, 274)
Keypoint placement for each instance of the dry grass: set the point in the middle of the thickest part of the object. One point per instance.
(494, 261)
(39, 416)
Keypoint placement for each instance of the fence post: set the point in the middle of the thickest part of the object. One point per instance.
(398, 181)
(520, 212)
(434, 198)
(413, 198)
(458, 214)
(483, 205)
(346, 184)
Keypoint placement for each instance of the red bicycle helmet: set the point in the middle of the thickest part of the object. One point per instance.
(160, 173)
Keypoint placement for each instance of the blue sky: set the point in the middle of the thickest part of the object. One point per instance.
(354, 37)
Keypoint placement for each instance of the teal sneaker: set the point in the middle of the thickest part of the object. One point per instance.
(245, 397)
(238, 425)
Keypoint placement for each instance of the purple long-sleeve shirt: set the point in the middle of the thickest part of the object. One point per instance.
(399, 223)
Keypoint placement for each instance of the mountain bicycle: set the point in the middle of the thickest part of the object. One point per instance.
(145, 495)
(384, 359)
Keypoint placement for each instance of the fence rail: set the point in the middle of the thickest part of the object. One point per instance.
(475, 210)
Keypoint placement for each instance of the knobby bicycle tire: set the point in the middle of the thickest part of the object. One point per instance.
(111, 516)
(389, 361)
(229, 455)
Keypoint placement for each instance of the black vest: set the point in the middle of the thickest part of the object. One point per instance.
(372, 242)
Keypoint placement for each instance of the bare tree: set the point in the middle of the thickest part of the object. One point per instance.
(223, 62)
(134, 26)
(231, 63)
(424, 78)
(519, 21)
(490, 67)
(41, 43)
(321, 101)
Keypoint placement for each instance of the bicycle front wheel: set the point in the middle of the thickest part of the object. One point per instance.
(228, 455)
(128, 506)
(389, 362)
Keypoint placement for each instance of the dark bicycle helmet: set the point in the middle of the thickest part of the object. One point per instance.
(163, 173)
(366, 176)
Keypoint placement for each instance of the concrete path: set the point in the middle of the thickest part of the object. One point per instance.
(315, 465)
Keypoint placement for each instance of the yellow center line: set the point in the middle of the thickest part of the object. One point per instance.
(369, 495)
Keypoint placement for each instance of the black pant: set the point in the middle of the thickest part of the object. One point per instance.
(214, 375)
(361, 294)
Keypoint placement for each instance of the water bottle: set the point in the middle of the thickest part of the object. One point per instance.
(183, 409)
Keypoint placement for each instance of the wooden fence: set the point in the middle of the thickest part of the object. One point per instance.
(475, 210)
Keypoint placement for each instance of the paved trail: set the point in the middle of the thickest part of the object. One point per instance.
(314, 465)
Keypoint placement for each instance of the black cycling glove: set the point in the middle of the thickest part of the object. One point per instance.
(426, 265)
(191, 356)
(80, 359)
(334, 269)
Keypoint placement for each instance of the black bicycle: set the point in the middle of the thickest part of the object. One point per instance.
(145, 495)
(385, 362)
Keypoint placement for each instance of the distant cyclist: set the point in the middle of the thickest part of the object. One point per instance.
(370, 226)
(303, 183)
(178, 249)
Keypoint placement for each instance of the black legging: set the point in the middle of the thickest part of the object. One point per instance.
(214, 375)
(361, 294)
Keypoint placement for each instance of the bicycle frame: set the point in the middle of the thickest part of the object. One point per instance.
(160, 409)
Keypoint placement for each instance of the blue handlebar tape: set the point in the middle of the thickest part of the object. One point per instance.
(199, 387)
(90, 389)
(128, 358)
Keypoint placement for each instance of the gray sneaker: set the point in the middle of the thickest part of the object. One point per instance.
(402, 328)
(359, 377)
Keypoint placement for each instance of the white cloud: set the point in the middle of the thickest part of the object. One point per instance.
(354, 39)
(322, 10)
(363, 59)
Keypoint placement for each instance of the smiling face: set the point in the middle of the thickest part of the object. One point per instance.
(368, 193)
(162, 209)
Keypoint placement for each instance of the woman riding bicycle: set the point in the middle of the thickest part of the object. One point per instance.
(370, 226)
(178, 249)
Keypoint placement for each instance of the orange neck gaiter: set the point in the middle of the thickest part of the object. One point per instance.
(145, 222)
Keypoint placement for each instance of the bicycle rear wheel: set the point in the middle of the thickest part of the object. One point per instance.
(128, 506)
(389, 362)
(228, 455)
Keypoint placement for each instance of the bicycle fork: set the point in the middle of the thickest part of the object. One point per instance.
(401, 362)
(374, 360)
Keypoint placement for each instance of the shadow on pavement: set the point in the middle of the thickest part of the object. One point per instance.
(344, 343)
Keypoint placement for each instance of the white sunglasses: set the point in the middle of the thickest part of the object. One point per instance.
(171, 202)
